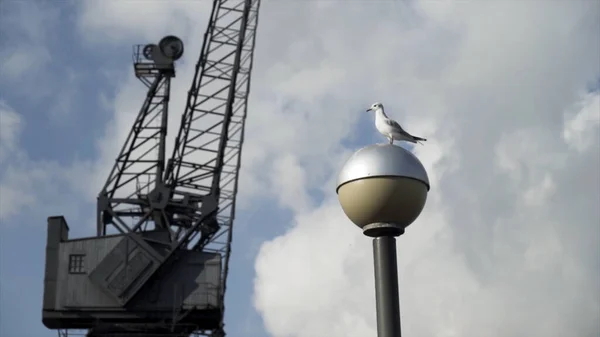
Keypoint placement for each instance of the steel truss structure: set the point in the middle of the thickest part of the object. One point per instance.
(191, 196)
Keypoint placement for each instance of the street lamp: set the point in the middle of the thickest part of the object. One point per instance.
(382, 189)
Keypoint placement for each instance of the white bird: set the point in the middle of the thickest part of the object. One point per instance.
(390, 128)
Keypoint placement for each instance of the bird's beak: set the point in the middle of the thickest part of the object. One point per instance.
(369, 109)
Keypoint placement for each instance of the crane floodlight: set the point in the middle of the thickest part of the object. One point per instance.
(171, 47)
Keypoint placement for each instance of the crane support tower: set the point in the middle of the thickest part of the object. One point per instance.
(159, 262)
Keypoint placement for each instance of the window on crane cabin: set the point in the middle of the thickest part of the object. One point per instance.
(76, 264)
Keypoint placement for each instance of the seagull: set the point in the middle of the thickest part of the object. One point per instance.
(390, 128)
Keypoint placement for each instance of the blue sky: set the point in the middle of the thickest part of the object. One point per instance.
(512, 155)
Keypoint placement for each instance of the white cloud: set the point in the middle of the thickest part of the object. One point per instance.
(115, 21)
(23, 59)
(25, 49)
(28, 185)
(581, 125)
(17, 188)
(17, 185)
(11, 125)
(491, 255)
(508, 241)
(289, 181)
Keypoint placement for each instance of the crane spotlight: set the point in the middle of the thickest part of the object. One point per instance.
(149, 51)
(171, 47)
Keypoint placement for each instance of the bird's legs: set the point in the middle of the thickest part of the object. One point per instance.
(391, 140)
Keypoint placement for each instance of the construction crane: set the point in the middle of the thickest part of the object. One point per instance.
(159, 262)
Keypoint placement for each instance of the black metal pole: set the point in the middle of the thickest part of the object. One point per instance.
(386, 287)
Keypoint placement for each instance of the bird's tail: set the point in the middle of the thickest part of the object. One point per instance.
(419, 139)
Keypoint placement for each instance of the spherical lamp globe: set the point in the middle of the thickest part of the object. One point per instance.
(382, 189)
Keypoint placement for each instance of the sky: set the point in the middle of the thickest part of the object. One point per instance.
(507, 93)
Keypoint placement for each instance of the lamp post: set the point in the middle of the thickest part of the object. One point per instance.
(382, 189)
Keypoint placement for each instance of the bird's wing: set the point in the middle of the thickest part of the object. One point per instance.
(394, 124)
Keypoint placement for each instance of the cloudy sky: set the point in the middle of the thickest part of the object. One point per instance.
(506, 91)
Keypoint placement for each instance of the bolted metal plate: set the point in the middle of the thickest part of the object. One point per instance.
(124, 267)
